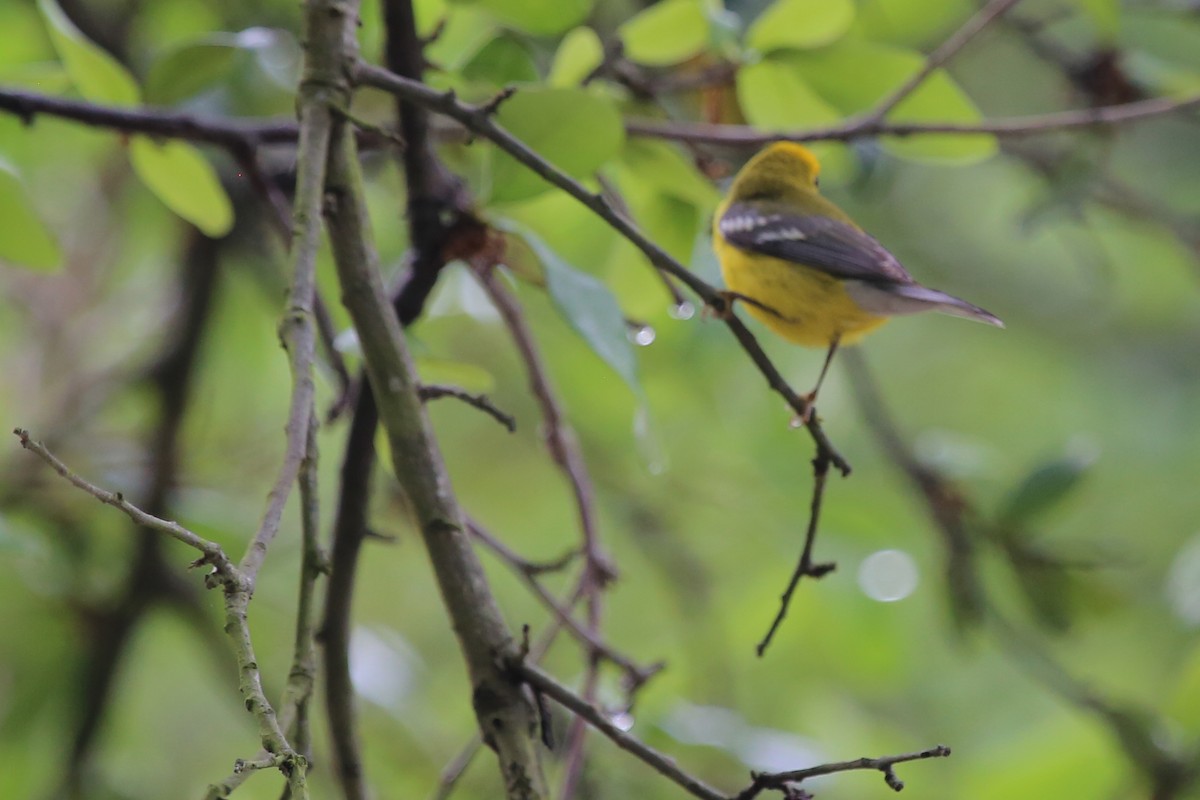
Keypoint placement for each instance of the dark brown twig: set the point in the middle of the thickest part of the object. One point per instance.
(528, 572)
(885, 764)
(433, 391)
(235, 136)
(805, 565)
(563, 446)
(664, 765)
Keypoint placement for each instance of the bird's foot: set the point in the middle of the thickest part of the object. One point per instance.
(810, 409)
(721, 307)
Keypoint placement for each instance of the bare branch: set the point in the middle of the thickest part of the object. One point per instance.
(211, 553)
(1033, 124)
(636, 675)
(234, 136)
(885, 764)
(324, 83)
(237, 597)
(661, 763)
(433, 391)
(805, 566)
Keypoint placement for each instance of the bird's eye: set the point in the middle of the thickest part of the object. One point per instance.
(817, 182)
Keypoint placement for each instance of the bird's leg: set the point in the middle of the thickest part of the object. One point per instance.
(811, 398)
(728, 298)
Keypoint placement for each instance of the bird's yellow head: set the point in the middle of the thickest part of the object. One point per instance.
(775, 169)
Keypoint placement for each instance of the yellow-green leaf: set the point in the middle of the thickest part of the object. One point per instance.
(503, 61)
(663, 166)
(800, 24)
(854, 75)
(538, 17)
(575, 129)
(97, 75)
(185, 181)
(578, 54)
(24, 240)
(775, 96)
(666, 33)
(1105, 16)
(189, 70)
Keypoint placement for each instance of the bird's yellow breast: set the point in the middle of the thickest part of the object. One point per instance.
(810, 307)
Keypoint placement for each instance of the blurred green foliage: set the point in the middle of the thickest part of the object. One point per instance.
(1084, 242)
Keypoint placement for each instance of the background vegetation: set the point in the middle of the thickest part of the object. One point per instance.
(1018, 575)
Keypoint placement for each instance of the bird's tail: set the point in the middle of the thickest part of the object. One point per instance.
(949, 304)
(909, 298)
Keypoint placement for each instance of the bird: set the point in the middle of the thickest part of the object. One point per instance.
(804, 268)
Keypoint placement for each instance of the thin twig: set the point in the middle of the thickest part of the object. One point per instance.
(589, 638)
(434, 391)
(885, 764)
(211, 553)
(805, 565)
(233, 135)
(563, 446)
(294, 705)
(323, 78)
(661, 763)
(237, 597)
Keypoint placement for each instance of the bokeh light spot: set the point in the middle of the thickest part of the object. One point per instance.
(888, 575)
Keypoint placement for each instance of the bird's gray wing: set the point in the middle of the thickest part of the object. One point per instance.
(823, 243)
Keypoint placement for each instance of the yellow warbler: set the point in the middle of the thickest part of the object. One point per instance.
(802, 265)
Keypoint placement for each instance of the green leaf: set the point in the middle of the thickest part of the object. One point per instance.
(98, 76)
(800, 24)
(47, 77)
(501, 62)
(578, 54)
(24, 239)
(185, 181)
(24, 32)
(855, 75)
(574, 129)
(1043, 488)
(189, 70)
(1162, 51)
(589, 308)
(666, 33)
(911, 24)
(663, 166)
(1105, 16)
(464, 30)
(538, 17)
(775, 96)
